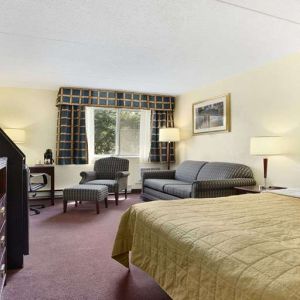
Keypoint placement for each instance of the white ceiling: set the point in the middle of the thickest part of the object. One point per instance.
(166, 46)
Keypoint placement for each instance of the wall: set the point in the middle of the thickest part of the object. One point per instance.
(264, 101)
(35, 111)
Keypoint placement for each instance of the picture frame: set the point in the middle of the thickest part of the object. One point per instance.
(212, 115)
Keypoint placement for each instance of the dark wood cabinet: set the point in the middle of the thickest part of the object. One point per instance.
(3, 237)
(17, 242)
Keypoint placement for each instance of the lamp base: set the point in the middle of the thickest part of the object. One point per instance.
(265, 172)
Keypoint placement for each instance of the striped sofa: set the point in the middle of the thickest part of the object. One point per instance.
(196, 179)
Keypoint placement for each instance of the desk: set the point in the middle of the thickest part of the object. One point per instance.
(49, 170)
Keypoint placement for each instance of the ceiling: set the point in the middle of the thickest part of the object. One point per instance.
(163, 46)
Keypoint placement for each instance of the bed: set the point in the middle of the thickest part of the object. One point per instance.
(238, 247)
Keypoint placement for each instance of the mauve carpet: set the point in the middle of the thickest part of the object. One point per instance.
(70, 258)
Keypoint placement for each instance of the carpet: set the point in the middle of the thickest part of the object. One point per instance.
(70, 258)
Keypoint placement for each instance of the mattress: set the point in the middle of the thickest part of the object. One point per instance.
(238, 247)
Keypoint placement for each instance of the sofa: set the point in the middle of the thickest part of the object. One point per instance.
(196, 179)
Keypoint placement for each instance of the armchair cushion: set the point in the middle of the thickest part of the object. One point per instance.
(111, 184)
(159, 184)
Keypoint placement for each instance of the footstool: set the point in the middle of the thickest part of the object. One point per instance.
(84, 192)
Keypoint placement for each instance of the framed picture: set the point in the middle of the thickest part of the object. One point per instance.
(212, 115)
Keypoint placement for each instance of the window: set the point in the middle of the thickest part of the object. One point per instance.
(116, 132)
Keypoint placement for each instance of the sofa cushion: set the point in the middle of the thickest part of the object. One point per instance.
(158, 184)
(152, 194)
(188, 170)
(181, 191)
(221, 170)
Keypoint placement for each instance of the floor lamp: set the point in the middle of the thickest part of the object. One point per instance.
(265, 146)
(169, 135)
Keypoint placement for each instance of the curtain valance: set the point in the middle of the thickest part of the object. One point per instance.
(114, 99)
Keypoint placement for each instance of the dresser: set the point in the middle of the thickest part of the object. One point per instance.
(3, 189)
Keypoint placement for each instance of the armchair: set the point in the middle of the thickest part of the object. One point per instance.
(110, 171)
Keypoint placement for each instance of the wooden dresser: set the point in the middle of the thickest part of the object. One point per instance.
(3, 189)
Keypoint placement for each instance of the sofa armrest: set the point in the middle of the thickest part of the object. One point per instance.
(122, 174)
(223, 183)
(88, 176)
(162, 174)
(201, 188)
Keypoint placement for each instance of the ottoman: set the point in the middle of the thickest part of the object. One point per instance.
(84, 192)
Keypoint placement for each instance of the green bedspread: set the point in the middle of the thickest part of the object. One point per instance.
(239, 247)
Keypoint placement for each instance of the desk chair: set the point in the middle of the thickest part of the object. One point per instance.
(33, 187)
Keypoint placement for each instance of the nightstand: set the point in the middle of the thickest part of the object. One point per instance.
(255, 189)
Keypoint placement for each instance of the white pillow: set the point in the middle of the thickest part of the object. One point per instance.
(292, 192)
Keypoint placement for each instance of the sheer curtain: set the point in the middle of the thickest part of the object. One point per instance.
(90, 132)
(145, 135)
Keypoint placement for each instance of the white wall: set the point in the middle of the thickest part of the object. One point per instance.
(264, 101)
(35, 111)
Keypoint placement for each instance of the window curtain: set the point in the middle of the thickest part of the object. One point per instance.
(90, 131)
(145, 136)
(161, 119)
(71, 145)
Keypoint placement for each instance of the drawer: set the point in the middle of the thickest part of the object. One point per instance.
(2, 212)
(2, 238)
(2, 271)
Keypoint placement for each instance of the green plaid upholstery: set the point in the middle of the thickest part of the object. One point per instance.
(189, 170)
(158, 151)
(81, 192)
(196, 179)
(180, 191)
(160, 185)
(224, 170)
(109, 171)
(151, 194)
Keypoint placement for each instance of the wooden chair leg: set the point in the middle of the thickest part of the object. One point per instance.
(117, 197)
(97, 207)
(125, 193)
(106, 203)
(65, 206)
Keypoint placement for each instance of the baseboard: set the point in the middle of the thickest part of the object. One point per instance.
(136, 191)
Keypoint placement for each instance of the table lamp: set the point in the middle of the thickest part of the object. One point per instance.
(266, 146)
(169, 135)
(18, 136)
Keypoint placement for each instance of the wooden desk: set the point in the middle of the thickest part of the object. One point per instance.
(49, 170)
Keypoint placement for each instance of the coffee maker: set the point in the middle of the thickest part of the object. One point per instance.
(48, 157)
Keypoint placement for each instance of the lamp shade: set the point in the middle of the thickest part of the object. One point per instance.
(266, 145)
(17, 135)
(169, 135)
